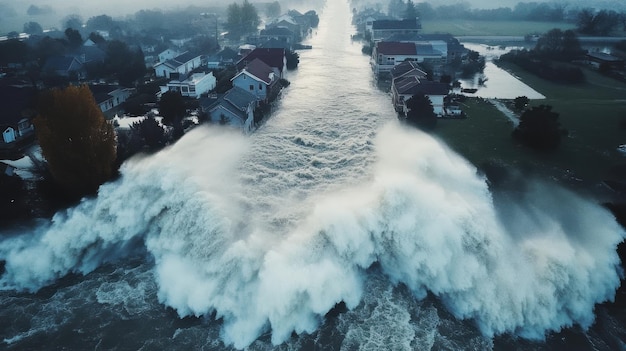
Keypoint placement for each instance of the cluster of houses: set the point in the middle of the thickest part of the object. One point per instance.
(400, 52)
(260, 66)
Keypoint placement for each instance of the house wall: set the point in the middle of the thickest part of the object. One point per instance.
(435, 100)
(9, 135)
(251, 85)
(233, 119)
(168, 55)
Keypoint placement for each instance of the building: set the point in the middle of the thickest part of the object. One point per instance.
(601, 59)
(382, 29)
(235, 108)
(108, 97)
(409, 79)
(182, 64)
(273, 57)
(258, 79)
(193, 86)
(386, 55)
(18, 110)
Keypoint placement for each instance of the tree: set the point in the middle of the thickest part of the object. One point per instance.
(539, 128)
(172, 109)
(150, 133)
(396, 8)
(73, 38)
(32, 28)
(521, 102)
(102, 22)
(72, 21)
(559, 45)
(410, 12)
(241, 19)
(420, 112)
(293, 59)
(76, 140)
(272, 9)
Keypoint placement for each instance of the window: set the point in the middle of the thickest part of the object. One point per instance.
(260, 86)
(251, 87)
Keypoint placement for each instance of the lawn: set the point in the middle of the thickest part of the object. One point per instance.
(489, 28)
(591, 112)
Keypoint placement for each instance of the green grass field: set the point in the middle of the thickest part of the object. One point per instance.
(507, 28)
(591, 112)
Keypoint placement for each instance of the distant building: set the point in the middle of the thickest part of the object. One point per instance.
(382, 29)
(273, 57)
(596, 59)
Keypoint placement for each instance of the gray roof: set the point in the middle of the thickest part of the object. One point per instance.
(412, 86)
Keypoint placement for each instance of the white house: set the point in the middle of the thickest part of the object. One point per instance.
(109, 96)
(387, 54)
(182, 64)
(193, 86)
(168, 55)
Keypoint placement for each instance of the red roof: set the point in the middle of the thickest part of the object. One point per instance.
(273, 57)
(260, 70)
(396, 48)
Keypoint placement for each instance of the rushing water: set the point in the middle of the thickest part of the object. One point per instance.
(331, 227)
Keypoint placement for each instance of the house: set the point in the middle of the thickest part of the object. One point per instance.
(445, 43)
(235, 108)
(598, 59)
(382, 29)
(288, 22)
(273, 57)
(409, 79)
(226, 57)
(403, 88)
(88, 54)
(64, 67)
(108, 97)
(182, 64)
(386, 55)
(168, 55)
(192, 86)
(18, 109)
(281, 34)
(258, 79)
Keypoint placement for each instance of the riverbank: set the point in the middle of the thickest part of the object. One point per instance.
(593, 112)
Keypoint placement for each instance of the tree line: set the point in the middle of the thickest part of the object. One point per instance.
(588, 20)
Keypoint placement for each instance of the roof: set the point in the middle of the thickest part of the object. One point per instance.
(228, 54)
(276, 31)
(89, 53)
(102, 92)
(395, 48)
(412, 86)
(239, 98)
(275, 43)
(273, 57)
(59, 63)
(179, 60)
(407, 68)
(604, 57)
(15, 100)
(396, 24)
(235, 101)
(260, 70)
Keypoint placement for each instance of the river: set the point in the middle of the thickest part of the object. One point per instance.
(331, 227)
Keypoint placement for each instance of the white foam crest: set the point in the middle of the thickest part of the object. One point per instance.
(424, 215)
(154, 194)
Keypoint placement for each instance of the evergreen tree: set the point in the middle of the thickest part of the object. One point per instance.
(411, 11)
(539, 128)
(420, 112)
(77, 142)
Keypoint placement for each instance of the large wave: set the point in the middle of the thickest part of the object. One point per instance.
(529, 266)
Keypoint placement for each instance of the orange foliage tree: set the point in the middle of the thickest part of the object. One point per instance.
(76, 140)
